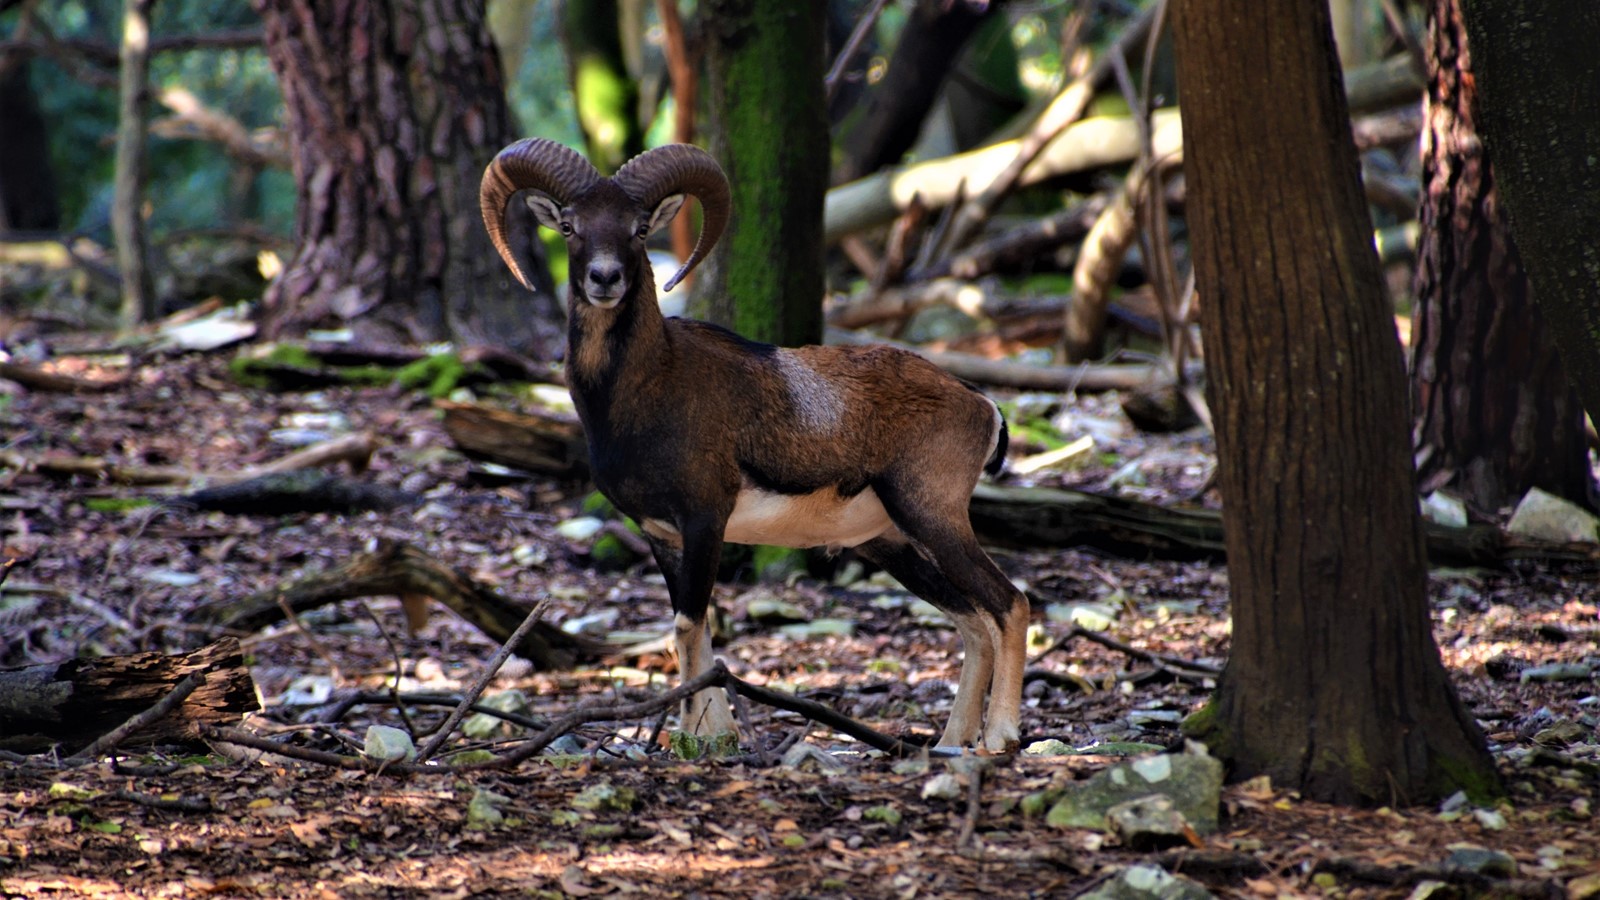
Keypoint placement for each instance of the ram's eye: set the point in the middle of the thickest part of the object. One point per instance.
(643, 231)
(566, 229)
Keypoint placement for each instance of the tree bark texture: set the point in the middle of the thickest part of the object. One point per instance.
(1334, 686)
(394, 108)
(74, 702)
(765, 62)
(127, 204)
(1538, 79)
(1495, 415)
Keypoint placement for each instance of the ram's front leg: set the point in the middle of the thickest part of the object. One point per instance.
(690, 568)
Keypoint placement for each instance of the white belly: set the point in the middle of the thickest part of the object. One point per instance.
(806, 520)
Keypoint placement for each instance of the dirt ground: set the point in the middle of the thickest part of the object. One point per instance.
(96, 575)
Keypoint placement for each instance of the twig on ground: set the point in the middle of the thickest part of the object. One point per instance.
(399, 671)
(108, 742)
(174, 804)
(1158, 659)
(488, 673)
(969, 822)
(717, 676)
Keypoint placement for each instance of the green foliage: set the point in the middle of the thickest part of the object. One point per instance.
(191, 182)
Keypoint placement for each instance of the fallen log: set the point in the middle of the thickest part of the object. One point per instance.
(285, 493)
(537, 442)
(398, 569)
(1037, 518)
(70, 704)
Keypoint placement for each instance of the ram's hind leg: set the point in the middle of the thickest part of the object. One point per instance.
(990, 614)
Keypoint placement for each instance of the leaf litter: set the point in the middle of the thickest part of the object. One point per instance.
(613, 813)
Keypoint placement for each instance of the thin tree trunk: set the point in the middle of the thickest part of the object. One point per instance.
(1495, 415)
(127, 205)
(1334, 686)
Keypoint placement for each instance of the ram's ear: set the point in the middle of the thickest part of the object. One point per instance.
(546, 210)
(665, 210)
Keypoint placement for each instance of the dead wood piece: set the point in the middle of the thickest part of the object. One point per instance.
(1017, 247)
(1051, 518)
(283, 493)
(72, 703)
(37, 379)
(96, 468)
(534, 442)
(1160, 408)
(397, 569)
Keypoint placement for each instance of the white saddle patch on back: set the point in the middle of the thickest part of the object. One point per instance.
(819, 519)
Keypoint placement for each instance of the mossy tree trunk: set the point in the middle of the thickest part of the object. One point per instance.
(1334, 686)
(1495, 415)
(394, 108)
(765, 62)
(1536, 71)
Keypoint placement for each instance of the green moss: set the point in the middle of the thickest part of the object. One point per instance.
(1476, 777)
(117, 504)
(437, 375)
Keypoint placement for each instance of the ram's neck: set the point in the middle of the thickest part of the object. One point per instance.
(613, 350)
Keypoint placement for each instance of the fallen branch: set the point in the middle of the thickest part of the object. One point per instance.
(1177, 665)
(354, 449)
(396, 569)
(284, 493)
(473, 693)
(37, 379)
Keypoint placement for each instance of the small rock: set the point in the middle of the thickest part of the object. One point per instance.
(387, 744)
(1557, 672)
(1146, 883)
(1546, 517)
(804, 756)
(1051, 747)
(1444, 509)
(483, 810)
(1481, 860)
(605, 795)
(1148, 823)
(1194, 784)
(944, 786)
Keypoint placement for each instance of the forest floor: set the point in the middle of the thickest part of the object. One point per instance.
(95, 575)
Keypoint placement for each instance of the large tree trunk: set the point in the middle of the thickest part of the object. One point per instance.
(1536, 69)
(1494, 413)
(394, 108)
(1334, 686)
(765, 63)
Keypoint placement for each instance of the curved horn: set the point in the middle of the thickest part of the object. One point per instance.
(529, 164)
(656, 174)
